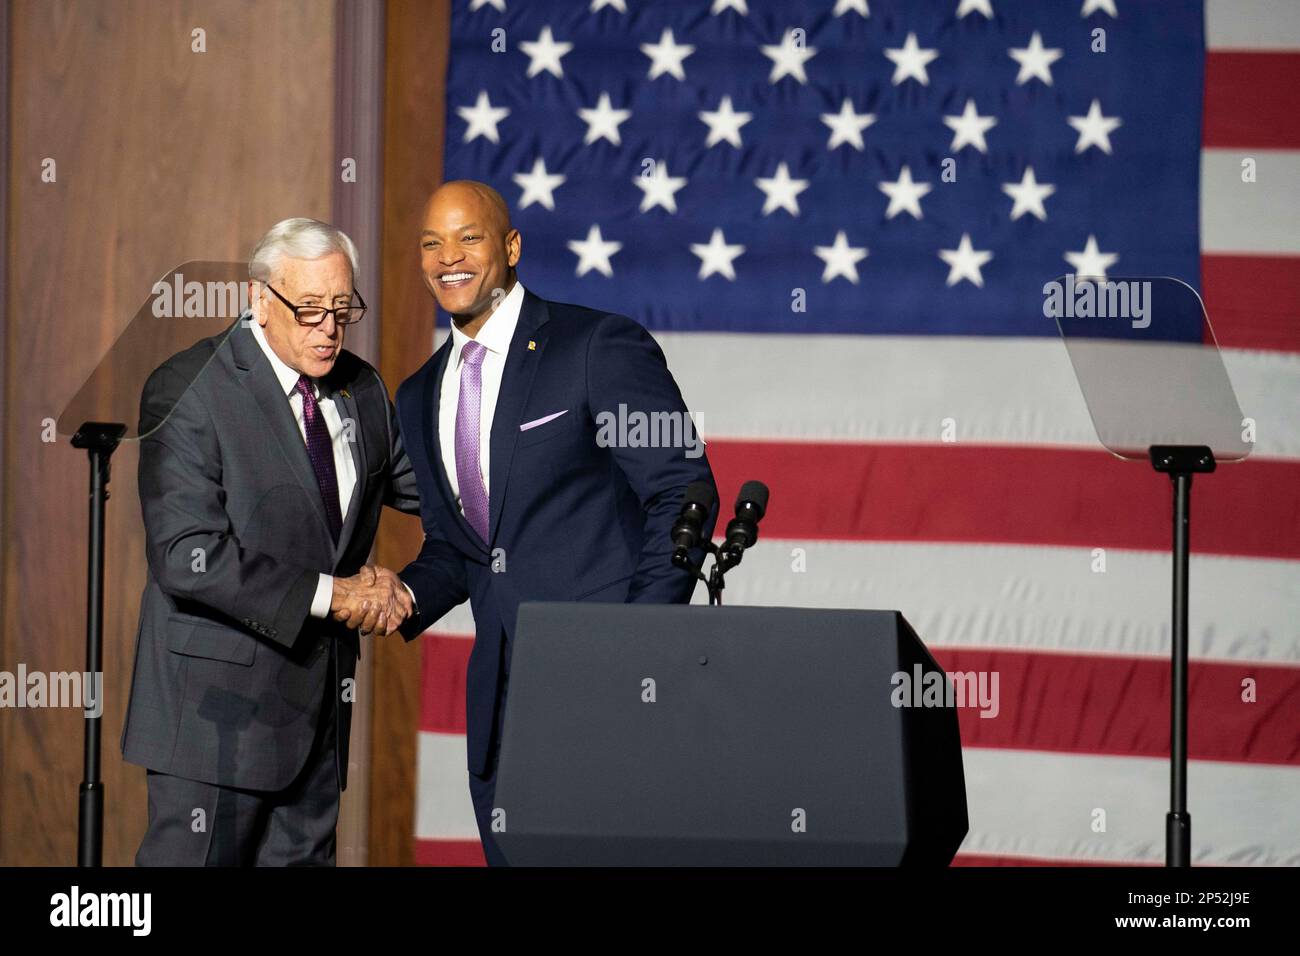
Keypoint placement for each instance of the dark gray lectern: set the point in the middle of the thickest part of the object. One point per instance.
(658, 735)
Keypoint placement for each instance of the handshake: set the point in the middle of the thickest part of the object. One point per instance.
(373, 600)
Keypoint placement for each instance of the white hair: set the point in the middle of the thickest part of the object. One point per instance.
(299, 238)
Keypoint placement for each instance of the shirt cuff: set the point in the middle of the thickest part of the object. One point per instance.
(415, 607)
(320, 604)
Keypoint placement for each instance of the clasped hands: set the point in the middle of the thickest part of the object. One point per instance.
(374, 601)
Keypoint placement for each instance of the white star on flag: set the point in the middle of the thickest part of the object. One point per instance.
(544, 54)
(498, 4)
(781, 191)
(857, 6)
(724, 123)
(1035, 60)
(538, 185)
(594, 252)
(1091, 263)
(969, 128)
(975, 6)
(619, 5)
(1104, 6)
(841, 258)
(904, 195)
(788, 58)
(738, 5)
(482, 118)
(965, 262)
(716, 256)
(660, 189)
(1094, 129)
(603, 121)
(910, 61)
(667, 55)
(847, 125)
(1028, 195)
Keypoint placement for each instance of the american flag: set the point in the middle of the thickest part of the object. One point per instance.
(837, 217)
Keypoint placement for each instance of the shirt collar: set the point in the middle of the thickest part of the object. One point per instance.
(287, 377)
(497, 331)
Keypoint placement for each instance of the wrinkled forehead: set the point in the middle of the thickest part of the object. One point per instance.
(328, 275)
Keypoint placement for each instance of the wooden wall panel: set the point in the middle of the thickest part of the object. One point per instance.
(414, 100)
(163, 154)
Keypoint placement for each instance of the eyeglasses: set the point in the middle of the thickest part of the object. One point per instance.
(315, 314)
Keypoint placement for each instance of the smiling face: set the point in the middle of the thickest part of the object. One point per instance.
(327, 281)
(467, 251)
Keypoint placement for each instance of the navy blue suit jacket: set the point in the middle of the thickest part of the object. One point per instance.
(571, 518)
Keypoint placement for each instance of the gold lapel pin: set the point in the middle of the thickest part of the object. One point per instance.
(345, 393)
(532, 346)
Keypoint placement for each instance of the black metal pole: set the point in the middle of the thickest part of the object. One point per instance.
(1178, 822)
(1180, 462)
(99, 439)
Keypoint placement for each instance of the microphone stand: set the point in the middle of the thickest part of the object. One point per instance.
(100, 440)
(714, 582)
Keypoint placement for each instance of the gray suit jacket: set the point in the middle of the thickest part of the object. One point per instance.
(230, 667)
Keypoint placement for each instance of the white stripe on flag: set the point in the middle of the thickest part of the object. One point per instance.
(443, 808)
(1026, 598)
(1042, 805)
(999, 391)
(1252, 24)
(1251, 217)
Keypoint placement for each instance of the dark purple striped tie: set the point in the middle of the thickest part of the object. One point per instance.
(321, 452)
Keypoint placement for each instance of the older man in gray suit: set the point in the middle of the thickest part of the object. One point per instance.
(269, 453)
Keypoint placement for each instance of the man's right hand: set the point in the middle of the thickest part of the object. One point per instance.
(373, 600)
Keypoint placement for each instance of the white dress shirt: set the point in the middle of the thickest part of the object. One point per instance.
(495, 336)
(345, 468)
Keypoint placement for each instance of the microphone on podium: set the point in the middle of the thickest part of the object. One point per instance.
(687, 530)
(742, 530)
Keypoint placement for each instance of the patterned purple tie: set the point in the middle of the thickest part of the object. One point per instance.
(321, 452)
(473, 496)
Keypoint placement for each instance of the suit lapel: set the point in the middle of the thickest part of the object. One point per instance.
(259, 378)
(516, 384)
(431, 408)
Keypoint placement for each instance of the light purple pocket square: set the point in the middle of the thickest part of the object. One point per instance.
(540, 421)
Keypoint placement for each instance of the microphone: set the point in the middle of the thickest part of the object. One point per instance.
(697, 503)
(742, 530)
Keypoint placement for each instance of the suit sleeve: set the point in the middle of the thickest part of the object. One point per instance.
(181, 496)
(403, 490)
(626, 366)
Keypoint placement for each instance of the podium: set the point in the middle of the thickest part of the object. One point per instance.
(671, 735)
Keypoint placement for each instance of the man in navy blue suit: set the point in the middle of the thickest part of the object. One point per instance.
(552, 449)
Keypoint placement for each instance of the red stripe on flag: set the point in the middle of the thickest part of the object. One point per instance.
(1253, 301)
(1251, 100)
(1074, 703)
(1068, 703)
(1007, 494)
(976, 859)
(442, 684)
(449, 853)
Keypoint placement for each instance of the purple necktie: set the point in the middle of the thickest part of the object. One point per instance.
(321, 452)
(473, 496)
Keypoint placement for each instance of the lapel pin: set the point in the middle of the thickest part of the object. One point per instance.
(532, 346)
(345, 393)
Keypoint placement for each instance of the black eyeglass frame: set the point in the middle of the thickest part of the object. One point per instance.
(323, 311)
